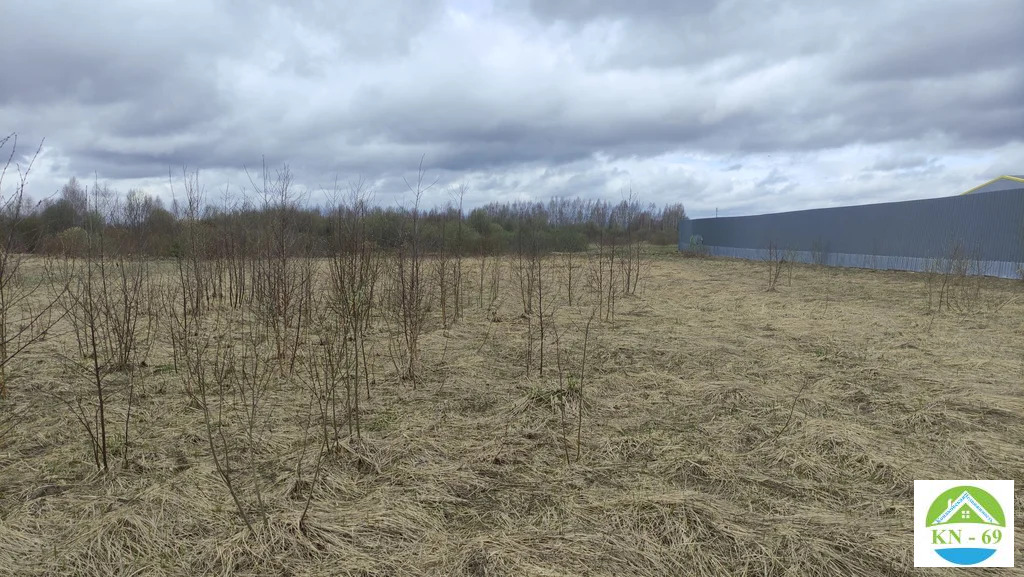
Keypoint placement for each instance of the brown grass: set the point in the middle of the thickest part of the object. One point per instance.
(728, 431)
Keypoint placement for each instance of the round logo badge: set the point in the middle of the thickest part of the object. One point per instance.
(966, 525)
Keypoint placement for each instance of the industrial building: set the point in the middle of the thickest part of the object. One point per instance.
(984, 226)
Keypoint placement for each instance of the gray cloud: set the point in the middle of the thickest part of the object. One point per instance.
(742, 106)
(586, 11)
(905, 163)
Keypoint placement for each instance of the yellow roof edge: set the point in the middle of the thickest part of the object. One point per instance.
(983, 185)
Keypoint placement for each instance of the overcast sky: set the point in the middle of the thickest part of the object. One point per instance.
(741, 106)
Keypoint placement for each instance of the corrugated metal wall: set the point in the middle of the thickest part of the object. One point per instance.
(987, 229)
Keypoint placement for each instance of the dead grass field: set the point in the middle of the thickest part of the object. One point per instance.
(728, 431)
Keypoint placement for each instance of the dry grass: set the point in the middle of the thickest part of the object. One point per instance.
(728, 431)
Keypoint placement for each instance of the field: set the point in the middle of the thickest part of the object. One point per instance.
(726, 430)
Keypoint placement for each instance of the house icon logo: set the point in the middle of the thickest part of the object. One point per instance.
(963, 523)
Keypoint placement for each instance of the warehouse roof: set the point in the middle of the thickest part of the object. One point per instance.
(1005, 182)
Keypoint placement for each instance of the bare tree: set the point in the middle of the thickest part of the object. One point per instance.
(210, 371)
(107, 297)
(23, 321)
(631, 261)
(442, 265)
(410, 294)
(284, 271)
(570, 392)
(458, 195)
(602, 278)
(185, 302)
(355, 268)
(192, 249)
(774, 260)
(570, 272)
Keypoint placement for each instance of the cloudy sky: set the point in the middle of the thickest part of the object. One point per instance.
(737, 106)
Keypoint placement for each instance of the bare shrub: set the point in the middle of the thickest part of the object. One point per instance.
(458, 195)
(819, 252)
(480, 286)
(322, 386)
(569, 264)
(230, 387)
(233, 385)
(354, 274)
(329, 364)
(537, 264)
(527, 269)
(184, 298)
(109, 301)
(192, 247)
(443, 265)
(774, 260)
(23, 322)
(601, 274)
(569, 397)
(521, 264)
(410, 293)
(789, 255)
(283, 270)
(960, 283)
(632, 261)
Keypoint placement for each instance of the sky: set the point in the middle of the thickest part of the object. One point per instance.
(728, 106)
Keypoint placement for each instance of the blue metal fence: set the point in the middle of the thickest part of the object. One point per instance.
(985, 229)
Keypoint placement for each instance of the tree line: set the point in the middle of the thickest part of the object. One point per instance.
(137, 221)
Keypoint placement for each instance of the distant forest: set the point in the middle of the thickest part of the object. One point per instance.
(137, 222)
